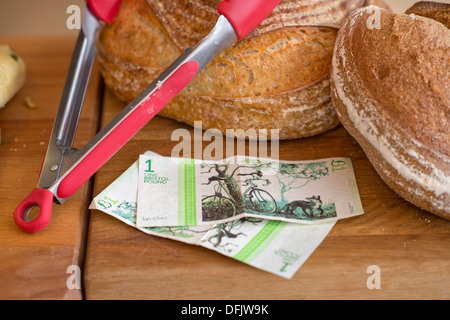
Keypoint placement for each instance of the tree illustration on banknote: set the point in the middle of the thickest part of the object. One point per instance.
(292, 176)
(285, 179)
(297, 175)
(265, 187)
(126, 209)
(289, 258)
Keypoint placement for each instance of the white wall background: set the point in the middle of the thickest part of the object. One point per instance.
(35, 17)
(48, 17)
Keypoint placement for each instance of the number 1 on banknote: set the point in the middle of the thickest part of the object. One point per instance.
(149, 165)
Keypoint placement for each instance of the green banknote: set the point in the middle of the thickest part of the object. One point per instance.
(274, 246)
(188, 192)
(119, 200)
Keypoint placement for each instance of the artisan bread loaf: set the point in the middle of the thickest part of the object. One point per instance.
(278, 77)
(434, 10)
(391, 91)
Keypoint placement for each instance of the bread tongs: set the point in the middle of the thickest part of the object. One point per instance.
(65, 169)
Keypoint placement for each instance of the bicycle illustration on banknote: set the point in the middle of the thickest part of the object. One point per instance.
(225, 203)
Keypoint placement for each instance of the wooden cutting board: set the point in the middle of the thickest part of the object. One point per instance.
(34, 266)
(410, 246)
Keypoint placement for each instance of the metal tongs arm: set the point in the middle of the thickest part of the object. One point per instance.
(69, 111)
(65, 125)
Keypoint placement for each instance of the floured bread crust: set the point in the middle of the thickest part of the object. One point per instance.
(390, 87)
(276, 78)
(434, 10)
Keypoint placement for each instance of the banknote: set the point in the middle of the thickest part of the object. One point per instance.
(119, 200)
(274, 246)
(189, 192)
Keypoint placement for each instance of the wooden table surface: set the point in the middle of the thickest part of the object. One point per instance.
(411, 247)
(35, 265)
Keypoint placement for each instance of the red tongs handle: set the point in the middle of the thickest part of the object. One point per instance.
(246, 15)
(105, 10)
(38, 198)
(126, 129)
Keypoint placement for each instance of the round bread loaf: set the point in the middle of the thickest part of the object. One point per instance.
(278, 77)
(434, 10)
(391, 91)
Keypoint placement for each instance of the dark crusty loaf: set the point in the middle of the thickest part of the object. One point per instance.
(276, 78)
(391, 91)
(434, 10)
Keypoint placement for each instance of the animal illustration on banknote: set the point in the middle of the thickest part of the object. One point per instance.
(308, 207)
(229, 231)
(275, 196)
(126, 209)
(179, 231)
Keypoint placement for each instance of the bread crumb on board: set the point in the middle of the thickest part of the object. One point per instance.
(29, 103)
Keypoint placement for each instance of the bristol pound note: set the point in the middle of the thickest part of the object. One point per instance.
(119, 201)
(188, 192)
(274, 246)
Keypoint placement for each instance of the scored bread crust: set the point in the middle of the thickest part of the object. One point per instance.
(434, 10)
(390, 87)
(276, 78)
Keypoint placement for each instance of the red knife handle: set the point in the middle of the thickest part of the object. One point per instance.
(126, 129)
(246, 15)
(105, 10)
